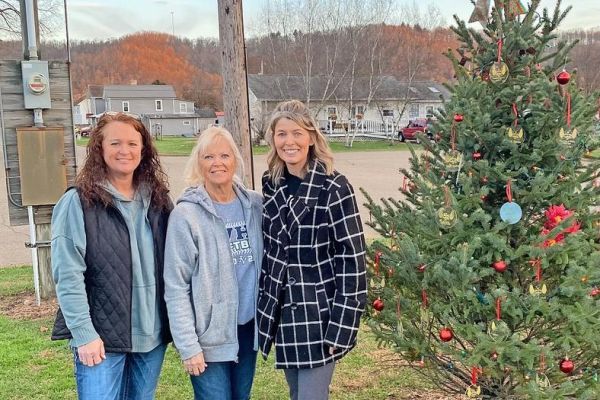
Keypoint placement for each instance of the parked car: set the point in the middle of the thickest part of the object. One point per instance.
(419, 125)
(85, 131)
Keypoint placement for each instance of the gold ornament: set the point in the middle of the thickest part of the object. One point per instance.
(499, 72)
(453, 160)
(515, 134)
(567, 135)
(498, 330)
(447, 217)
(542, 380)
(377, 284)
(473, 391)
(537, 290)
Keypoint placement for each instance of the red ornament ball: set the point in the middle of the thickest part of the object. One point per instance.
(458, 117)
(563, 78)
(483, 197)
(446, 334)
(595, 292)
(476, 156)
(499, 266)
(421, 267)
(484, 179)
(378, 304)
(567, 366)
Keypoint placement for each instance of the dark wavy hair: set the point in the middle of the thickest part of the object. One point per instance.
(95, 172)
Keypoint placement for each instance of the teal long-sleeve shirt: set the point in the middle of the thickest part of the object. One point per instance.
(68, 268)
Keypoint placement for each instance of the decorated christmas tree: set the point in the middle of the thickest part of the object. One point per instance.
(486, 274)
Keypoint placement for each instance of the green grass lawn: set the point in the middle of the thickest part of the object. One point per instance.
(180, 146)
(34, 367)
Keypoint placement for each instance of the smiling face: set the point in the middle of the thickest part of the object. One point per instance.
(292, 143)
(217, 165)
(121, 149)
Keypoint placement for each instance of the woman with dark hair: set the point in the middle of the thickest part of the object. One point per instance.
(313, 281)
(108, 236)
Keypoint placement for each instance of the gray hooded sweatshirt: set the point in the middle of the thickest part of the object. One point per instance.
(201, 288)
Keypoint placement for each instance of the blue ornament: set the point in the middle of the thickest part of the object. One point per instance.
(511, 212)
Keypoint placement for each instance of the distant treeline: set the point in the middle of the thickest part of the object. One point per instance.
(193, 66)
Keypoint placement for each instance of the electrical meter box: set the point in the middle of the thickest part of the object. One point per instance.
(41, 165)
(36, 85)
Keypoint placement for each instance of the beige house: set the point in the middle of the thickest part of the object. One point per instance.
(380, 103)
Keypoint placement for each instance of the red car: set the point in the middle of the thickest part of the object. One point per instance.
(419, 125)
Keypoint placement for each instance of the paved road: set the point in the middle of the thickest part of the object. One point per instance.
(377, 172)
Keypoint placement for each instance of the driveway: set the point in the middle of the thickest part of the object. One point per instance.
(377, 172)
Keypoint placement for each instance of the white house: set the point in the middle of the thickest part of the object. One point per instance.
(157, 105)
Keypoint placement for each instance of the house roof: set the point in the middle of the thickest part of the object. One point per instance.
(171, 116)
(206, 113)
(384, 87)
(139, 91)
(95, 90)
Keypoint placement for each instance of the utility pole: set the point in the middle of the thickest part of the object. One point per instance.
(38, 142)
(173, 23)
(235, 80)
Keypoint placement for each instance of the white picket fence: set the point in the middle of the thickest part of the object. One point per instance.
(359, 128)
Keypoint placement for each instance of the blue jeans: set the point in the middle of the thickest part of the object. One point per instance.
(229, 380)
(122, 376)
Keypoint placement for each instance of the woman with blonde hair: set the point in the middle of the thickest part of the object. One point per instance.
(312, 285)
(213, 255)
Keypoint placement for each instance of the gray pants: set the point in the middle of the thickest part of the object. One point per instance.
(309, 383)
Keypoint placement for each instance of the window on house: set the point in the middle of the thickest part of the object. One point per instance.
(182, 107)
(186, 122)
(159, 106)
(331, 110)
(358, 110)
(125, 106)
(429, 111)
(413, 111)
(387, 112)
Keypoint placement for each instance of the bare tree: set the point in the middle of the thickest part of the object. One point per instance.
(10, 17)
(329, 43)
(411, 56)
(585, 57)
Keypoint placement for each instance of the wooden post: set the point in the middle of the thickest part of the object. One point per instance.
(43, 236)
(235, 80)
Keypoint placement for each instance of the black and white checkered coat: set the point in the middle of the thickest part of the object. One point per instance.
(313, 282)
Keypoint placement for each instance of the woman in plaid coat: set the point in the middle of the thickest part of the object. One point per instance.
(313, 284)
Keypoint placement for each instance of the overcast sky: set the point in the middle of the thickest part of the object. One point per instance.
(103, 19)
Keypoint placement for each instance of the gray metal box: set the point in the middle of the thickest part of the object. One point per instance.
(36, 85)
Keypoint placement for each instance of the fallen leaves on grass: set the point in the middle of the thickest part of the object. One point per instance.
(22, 307)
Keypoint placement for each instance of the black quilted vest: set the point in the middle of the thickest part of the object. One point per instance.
(108, 276)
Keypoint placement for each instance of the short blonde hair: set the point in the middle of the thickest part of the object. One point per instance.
(297, 112)
(193, 174)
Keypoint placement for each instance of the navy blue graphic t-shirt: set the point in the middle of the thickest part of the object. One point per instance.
(243, 261)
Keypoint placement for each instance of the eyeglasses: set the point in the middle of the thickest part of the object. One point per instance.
(118, 113)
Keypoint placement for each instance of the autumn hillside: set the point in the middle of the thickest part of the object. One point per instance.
(193, 66)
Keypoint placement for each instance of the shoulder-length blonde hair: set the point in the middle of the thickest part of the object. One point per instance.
(297, 112)
(193, 175)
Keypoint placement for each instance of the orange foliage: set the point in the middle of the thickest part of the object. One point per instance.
(146, 58)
